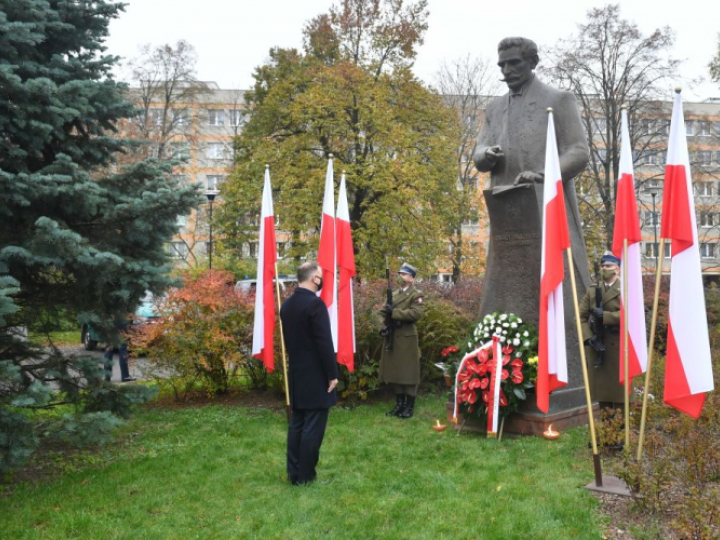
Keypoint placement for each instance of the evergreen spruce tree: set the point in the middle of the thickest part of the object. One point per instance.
(80, 237)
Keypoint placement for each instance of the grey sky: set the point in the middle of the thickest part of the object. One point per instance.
(232, 37)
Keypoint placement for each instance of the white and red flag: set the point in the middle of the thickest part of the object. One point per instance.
(327, 258)
(264, 328)
(346, 266)
(627, 227)
(688, 367)
(552, 356)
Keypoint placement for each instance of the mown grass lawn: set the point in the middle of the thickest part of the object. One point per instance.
(219, 472)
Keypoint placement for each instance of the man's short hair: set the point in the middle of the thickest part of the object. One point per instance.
(306, 271)
(528, 48)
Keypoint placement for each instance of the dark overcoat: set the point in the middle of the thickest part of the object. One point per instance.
(311, 357)
(605, 381)
(402, 364)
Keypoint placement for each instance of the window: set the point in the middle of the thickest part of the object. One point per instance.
(652, 250)
(252, 249)
(178, 250)
(180, 179)
(216, 117)
(707, 219)
(237, 118)
(215, 151)
(703, 156)
(652, 183)
(652, 218)
(598, 126)
(704, 189)
(702, 128)
(181, 222)
(155, 116)
(180, 150)
(600, 155)
(707, 250)
(689, 128)
(180, 117)
(214, 181)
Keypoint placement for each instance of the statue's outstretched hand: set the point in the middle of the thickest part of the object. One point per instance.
(493, 153)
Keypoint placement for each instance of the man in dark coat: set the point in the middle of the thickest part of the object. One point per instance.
(605, 384)
(401, 365)
(313, 372)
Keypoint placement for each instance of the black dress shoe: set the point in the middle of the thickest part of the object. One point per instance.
(129, 379)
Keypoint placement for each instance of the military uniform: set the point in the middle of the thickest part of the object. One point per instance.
(402, 364)
(604, 381)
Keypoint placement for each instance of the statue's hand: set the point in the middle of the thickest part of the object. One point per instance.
(493, 153)
(528, 177)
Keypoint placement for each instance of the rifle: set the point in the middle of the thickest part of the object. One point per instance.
(388, 311)
(597, 325)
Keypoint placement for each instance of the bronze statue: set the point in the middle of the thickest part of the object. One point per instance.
(512, 148)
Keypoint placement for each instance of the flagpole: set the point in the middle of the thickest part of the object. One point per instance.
(282, 345)
(651, 347)
(591, 419)
(626, 368)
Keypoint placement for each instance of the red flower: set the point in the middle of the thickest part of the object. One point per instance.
(507, 349)
(483, 355)
(504, 375)
(474, 383)
(516, 364)
(517, 376)
(449, 350)
(506, 359)
(503, 399)
(482, 369)
(472, 397)
(486, 396)
(484, 383)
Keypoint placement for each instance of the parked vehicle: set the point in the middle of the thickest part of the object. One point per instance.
(247, 285)
(146, 313)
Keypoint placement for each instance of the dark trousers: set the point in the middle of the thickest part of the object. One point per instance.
(122, 360)
(305, 435)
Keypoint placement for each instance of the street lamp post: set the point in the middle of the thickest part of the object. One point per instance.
(653, 194)
(210, 194)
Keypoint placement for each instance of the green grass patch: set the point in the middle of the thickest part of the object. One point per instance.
(61, 338)
(219, 472)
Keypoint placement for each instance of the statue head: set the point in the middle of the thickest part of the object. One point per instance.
(517, 57)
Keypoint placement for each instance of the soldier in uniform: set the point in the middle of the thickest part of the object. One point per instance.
(400, 366)
(605, 384)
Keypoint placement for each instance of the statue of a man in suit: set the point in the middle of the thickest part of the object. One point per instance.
(511, 147)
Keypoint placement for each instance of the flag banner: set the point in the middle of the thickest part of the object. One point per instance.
(346, 266)
(688, 366)
(327, 258)
(495, 379)
(627, 227)
(552, 357)
(264, 326)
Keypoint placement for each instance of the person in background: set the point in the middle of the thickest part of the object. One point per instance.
(118, 343)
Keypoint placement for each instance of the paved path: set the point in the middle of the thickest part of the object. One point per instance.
(136, 364)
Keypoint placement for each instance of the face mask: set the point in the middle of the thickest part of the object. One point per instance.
(608, 274)
(319, 284)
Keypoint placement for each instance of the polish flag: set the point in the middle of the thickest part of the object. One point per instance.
(264, 328)
(327, 258)
(346, 264)
(688, 371)
(552, 359)
(627, 227)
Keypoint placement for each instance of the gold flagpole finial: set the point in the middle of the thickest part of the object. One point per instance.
(678, 89)
(330, 156)
(549, 109)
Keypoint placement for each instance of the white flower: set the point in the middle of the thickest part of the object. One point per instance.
(525, 334)
(519, 321)
(505, 325)
(516, 342)
(470, 345)
(504, 332)
(503, 317)
(498, 330)
(513, 325)
(526, 344)
(502, 338)
(518, 354)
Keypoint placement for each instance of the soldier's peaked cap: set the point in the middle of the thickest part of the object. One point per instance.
(609, 258)
(407, 269)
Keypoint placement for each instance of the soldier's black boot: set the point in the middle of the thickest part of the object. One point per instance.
(407, 412)
(399, 405)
